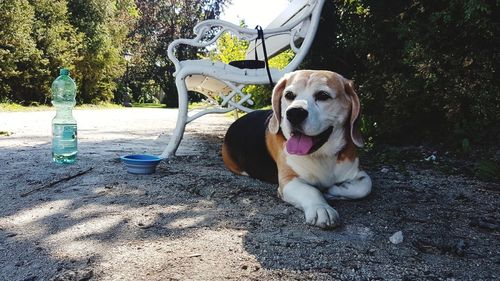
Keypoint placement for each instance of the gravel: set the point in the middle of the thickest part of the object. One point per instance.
(194, 220)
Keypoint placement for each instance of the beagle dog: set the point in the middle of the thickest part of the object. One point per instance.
(306, 143)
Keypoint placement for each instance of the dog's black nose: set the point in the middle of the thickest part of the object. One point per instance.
(296, 115)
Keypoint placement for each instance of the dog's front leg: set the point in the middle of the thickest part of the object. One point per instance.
(312, 202)
(356, 188)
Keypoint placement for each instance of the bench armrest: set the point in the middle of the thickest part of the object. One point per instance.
(205, 36)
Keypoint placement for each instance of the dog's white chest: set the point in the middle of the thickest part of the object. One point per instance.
(323, 172)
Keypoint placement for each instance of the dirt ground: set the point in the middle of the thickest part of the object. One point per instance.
(194, 220)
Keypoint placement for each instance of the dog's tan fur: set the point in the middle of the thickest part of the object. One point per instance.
(275, 144)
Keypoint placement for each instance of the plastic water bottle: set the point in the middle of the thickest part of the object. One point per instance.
(64, 133)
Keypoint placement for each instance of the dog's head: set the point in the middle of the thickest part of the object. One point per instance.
(309, 106)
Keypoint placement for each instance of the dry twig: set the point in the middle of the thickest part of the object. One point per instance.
(56, 182)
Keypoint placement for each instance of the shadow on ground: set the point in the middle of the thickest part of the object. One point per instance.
(193, 219)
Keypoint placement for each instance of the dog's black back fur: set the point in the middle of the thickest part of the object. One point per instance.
(246, 144)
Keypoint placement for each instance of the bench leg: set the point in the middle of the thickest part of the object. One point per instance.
(178, 132)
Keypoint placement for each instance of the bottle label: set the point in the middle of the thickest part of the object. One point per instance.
(69, 132)
(64, 137)
(66, 132)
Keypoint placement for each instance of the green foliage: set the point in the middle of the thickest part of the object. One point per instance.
(488, 170)
(105, 25)
(160, 23)
(230, 48)
(37, 37)
(427, 70)
(465, 146)
(147, 91)
(18, 52)
(261, 94)
(58, 42)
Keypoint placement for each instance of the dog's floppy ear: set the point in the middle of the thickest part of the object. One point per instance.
(274, 123)
(355, 113)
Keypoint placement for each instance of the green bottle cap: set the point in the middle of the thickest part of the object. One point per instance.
(64, 71)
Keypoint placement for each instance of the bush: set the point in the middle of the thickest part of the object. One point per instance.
(426, 71)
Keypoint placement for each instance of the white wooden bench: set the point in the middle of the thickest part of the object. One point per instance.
(293, 29)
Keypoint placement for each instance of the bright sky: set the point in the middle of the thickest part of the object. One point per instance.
(254, 12)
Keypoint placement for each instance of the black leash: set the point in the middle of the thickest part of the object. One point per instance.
(260, 34)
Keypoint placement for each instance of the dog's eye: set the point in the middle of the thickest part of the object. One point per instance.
(322, 96)
(290, 95)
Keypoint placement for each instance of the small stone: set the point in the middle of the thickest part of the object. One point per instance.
(396, 238)
(384, 170)
(30, 278)
(431, 158)
(460, 248)
(75, 275)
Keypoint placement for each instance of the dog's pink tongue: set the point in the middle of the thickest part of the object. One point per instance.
(299, 144)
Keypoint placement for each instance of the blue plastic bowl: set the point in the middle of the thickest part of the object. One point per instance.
(140, 163)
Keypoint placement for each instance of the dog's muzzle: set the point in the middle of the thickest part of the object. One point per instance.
(302, 144)
(299, 143)
(296, 116)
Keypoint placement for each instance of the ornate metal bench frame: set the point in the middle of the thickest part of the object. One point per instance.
(293, 29)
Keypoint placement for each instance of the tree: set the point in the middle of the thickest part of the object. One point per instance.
(427, 70)
(18, 52)
(228, 48)
(57, 40)
(161, 23)
(105, 25)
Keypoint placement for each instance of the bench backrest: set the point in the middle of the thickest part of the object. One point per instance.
(307, 10)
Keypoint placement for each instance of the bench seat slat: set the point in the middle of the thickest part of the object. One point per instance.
(276, 44)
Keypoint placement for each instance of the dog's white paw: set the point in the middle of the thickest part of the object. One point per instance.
(322, 215)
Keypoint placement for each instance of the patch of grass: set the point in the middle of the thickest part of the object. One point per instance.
(99, 106)
(148, 105)
(14, 107)
(230, 114)
(5, 133)
(203, 104)
(240, 114)
(196, 105)
(487, 170)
